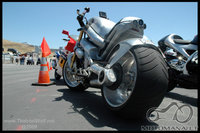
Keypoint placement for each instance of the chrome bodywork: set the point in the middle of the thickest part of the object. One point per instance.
(89, 48)
(120, 95)
(177, 64)
(194, 58)
(178, 47)
(79, 53)
(125, 46)
(105, 76)
(128, 28)
(180, 53)
(90, 52)
(101, 26)
(104, 35)
(95, 38)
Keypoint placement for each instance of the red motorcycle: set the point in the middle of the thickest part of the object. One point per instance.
(71, 42)
(61, 55)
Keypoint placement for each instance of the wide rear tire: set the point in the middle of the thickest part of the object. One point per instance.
(144, 87)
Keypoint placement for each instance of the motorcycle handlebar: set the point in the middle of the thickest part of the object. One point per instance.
(80, 16)
(87, 9)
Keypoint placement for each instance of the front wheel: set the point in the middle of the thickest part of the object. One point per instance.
(142, 81)
(71, 80)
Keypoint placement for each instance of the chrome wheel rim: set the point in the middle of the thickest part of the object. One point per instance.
(69, 77)
(119, 96)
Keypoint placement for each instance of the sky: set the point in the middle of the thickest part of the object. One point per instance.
(31, 21)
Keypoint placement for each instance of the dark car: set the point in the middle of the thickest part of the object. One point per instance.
(14, 51)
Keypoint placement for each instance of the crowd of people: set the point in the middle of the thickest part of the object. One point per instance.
(22, 60)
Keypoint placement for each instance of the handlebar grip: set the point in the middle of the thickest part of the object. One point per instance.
(66, 39)
(87, 9)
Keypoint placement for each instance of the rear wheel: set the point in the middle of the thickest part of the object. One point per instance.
(142, 81)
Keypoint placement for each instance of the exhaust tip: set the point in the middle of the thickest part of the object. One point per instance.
(105, 76)
(101, 76)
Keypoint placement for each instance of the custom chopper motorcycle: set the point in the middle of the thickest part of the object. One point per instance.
(182, 59)
(121, 61)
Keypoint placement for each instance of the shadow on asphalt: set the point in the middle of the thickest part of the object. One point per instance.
(59, 82)
(91, 107)
(189, 100)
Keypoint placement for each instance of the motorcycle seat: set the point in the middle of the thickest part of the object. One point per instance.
(181, 41)
(195, 40)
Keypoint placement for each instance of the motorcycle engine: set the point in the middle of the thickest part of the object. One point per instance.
(175, 60)
(177, 64)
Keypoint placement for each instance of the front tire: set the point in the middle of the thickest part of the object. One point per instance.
(142, 81)
(71, 79)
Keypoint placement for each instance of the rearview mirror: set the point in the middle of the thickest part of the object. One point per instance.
(65, 32)
(103, 15)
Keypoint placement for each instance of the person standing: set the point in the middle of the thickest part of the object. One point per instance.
(17, 60)
(20, 59)
(12, 59)
(23, 58)
(31, 60)
(26, 60)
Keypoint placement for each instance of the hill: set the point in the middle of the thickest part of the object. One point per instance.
(21, 47)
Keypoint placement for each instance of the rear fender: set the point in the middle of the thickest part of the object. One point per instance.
(124, 47)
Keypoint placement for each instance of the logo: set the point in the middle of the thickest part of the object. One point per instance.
(177, 115)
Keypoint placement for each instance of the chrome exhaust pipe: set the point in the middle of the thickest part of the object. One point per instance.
(110, 77)
(104, 76)
(99, 71)
(95, 83)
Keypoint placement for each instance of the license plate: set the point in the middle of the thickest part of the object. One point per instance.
(61, 61)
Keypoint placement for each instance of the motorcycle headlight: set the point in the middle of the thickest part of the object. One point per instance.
(135, 22)
(141, 22)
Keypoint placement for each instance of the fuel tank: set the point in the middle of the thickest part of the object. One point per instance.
(101, 26)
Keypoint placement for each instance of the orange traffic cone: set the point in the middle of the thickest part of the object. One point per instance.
(44, 79)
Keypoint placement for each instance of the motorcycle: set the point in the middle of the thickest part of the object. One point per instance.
(182, 59)
(121, 61)
(61, 55)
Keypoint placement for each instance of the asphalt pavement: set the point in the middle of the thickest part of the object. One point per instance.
(55, 107)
